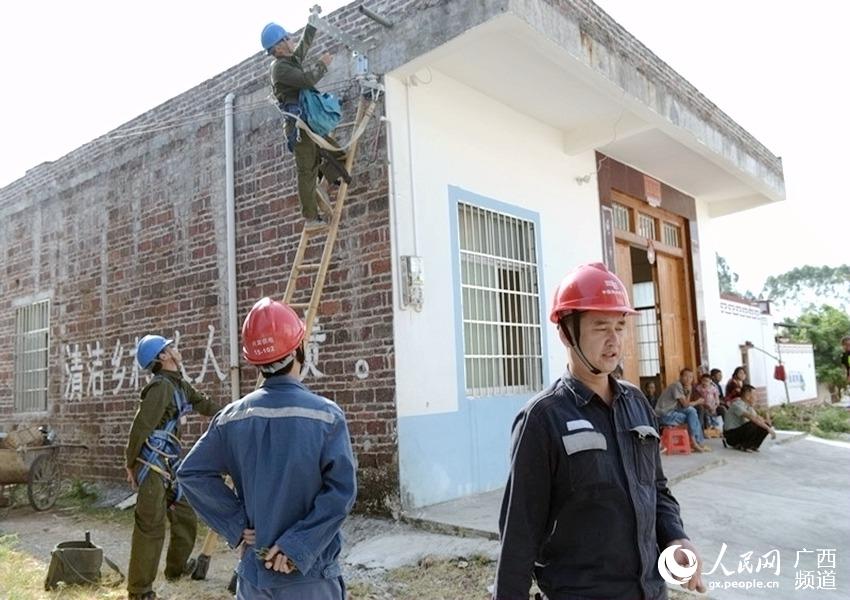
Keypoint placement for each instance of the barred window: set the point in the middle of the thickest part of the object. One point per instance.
(622, 217)
(32, 326)
(648, 338)
(671, 235)
(646, 226)
(501, 303)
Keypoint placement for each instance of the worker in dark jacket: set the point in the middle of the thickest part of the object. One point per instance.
(289, 76)
(289, 455)
(586, 507)
(152, 455)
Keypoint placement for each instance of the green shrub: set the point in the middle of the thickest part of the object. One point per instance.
(833, 419)
(822, 421)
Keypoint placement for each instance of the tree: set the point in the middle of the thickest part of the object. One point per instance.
(728, 280)
(725, 276)
(805, 286)
(823, 328)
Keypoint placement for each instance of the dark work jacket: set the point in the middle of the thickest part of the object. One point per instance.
(289, 75)
(157, 408)
(586, 505)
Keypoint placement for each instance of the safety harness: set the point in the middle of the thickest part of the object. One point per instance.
(161, 452)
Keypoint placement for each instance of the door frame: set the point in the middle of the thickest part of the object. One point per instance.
(660, 218)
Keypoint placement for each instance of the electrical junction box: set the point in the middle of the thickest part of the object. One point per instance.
(413, 282)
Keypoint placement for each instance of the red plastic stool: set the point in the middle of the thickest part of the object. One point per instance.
(675, 440)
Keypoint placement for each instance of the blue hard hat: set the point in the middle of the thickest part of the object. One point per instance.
(272, 35)
(149, 348)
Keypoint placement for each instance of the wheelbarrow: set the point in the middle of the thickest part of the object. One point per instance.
(36, 465)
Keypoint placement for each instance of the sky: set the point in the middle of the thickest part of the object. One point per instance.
(75, 70)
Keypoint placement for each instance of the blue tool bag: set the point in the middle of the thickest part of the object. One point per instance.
(322, 111)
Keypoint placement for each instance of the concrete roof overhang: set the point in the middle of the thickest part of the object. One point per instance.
(544, 63)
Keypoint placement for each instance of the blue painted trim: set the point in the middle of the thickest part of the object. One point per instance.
(457, 195)
(452, 454)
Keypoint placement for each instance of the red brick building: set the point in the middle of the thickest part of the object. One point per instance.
(128, 235)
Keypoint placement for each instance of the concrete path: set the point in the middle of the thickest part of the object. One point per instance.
(788, 497)
(479, 514)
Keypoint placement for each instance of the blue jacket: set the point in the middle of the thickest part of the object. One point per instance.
(289, 454)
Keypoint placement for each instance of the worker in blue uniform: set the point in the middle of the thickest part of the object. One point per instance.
(289, 455)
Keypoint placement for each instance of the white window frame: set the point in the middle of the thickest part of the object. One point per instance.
(500, 300)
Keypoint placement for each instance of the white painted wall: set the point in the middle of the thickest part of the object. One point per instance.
(730, 324)
(707, 288)
(736, 324)
(799, 361)
(443, 133)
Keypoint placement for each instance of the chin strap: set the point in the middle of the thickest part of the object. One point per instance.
(572, 331)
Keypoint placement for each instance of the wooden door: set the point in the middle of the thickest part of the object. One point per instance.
(676, 334)
(623, 266)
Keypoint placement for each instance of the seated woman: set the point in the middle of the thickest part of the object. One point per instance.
(743, 428)
(734, 385)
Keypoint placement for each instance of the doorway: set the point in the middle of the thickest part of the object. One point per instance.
(651, 259)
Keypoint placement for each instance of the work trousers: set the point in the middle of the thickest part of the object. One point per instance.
(149, 535)
(308, 164)
(747, 436)
(322, 589)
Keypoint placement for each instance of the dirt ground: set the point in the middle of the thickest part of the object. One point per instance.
(444, 568)
(30, 536)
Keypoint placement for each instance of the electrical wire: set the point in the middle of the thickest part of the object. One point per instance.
(344, 85)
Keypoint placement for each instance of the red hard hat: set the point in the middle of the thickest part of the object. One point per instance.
(271, 331)
(590, 287)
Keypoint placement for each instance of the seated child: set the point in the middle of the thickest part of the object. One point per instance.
(706, 390)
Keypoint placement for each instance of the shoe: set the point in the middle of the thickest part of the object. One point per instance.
(706, 448)
(188, 569)
(315, 222)
(333, 167)
(146, 596)
(697, 448)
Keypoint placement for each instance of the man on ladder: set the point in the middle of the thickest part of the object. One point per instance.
(290, 77)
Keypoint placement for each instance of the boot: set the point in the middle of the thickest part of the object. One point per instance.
(333, 168)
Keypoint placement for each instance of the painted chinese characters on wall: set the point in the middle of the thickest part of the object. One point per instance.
(94, 370)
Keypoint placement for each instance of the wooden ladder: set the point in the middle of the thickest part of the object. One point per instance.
(365, 109)
(319, 270)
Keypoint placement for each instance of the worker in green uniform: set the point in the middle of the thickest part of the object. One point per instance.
(289, 75)
(152, 458)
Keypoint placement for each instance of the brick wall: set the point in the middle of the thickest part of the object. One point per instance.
(126, 236)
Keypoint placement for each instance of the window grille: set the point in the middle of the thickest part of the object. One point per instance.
(671, 235)
(646, 226)
(622, 217)
(32, 327)
(648, 346)
(501, 303)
